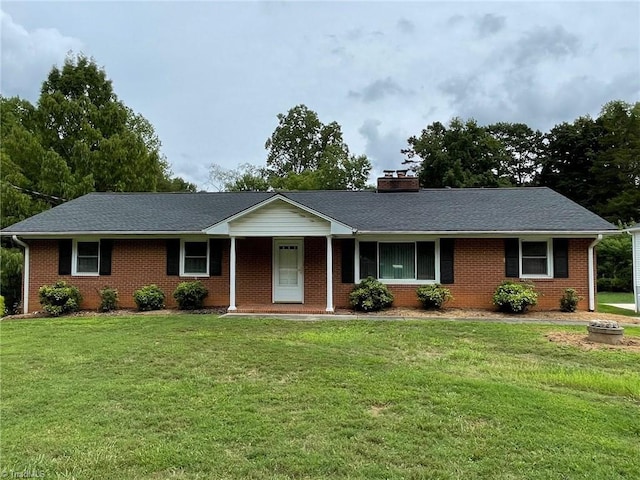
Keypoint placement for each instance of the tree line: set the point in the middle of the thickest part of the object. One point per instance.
(593, 161)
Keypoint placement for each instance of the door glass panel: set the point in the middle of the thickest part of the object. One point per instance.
(288, 265)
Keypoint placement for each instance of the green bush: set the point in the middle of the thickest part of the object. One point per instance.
(370, 296)
(60, 298)
(2, 310)
(433, 296)
(569, 301)
(108, 299)
(190, 295)
(149, 297)
(512, 297)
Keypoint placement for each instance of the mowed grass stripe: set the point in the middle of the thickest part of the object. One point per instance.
(190, 396)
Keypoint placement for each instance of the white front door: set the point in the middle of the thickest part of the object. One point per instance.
(288, 270)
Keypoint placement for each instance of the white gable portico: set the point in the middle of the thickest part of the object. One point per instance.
(288, 223)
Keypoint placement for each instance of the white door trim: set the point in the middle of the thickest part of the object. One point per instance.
(293, 294)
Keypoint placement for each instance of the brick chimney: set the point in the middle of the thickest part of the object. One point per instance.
(397, 181)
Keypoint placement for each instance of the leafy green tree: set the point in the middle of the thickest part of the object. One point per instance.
(616, 167)
(463, 154)
(524, 147)
(305, 154)
(101, 140)
(569, 157)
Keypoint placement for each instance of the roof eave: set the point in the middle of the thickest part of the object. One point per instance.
(494, 233)
(102, 233)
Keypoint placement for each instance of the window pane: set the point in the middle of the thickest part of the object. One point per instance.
(534, 266)
(426, 260)
(87, 265)
(88, 249)
(87, 259)
(397, 260)
(534, 249)
(195, 249)
(534, 258)
(195, 265)
(368, 259)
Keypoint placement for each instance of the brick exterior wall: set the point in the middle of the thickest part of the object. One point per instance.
(135, 263)
(479, 268)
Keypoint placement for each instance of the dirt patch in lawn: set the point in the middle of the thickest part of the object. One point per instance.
(582, 341)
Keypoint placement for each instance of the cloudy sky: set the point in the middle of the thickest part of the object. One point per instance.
(212, 76)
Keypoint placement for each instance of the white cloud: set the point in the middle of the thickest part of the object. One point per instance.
(27, 56)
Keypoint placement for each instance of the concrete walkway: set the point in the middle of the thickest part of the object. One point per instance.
(625, 306)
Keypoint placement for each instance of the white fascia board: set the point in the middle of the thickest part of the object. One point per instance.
(493, 234)
(222, 227)
(103, 234)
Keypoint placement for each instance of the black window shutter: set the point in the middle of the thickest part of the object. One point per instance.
(106, 247)
(447, 246)
(173, 256)
(64, 257)
(426, 261)
(511, 257)
(368, 259)
(561, 258)
(348, 264)
(216, 248)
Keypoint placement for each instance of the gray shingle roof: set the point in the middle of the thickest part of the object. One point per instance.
(440, 210)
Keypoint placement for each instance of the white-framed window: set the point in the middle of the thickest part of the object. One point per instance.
(85, 258)
(399, 261)
(536, 258)
(194, 258)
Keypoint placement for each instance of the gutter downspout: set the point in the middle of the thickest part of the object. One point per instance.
(592, 280)
(25, 271)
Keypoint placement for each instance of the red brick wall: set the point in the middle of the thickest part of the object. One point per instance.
(315, 271)
(253, 271)
(135, 263)
(479, 268)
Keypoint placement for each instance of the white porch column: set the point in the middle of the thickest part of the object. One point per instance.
(232, 276)
(329, 275)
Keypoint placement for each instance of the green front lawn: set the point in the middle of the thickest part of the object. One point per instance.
(615, 297)
(188, 396)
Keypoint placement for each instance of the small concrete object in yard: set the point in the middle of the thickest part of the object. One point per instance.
(603, 331)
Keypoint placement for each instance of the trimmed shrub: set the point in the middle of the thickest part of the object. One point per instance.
(370, 296)
(190, 295)
(433, 296)
(108, 299)
(60, 298)
(512, 297)
(569, 301)
(2, 310)
(149, 297)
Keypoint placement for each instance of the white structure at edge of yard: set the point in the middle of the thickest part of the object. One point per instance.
(635, 246)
